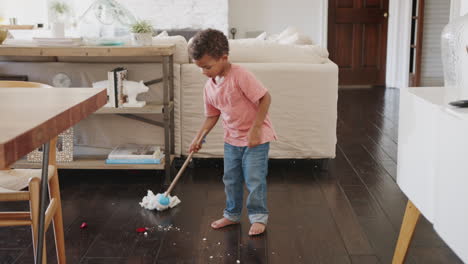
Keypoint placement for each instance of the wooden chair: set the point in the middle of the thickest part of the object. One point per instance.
(31, 217)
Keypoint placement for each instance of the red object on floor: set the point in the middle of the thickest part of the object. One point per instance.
(141, 229)
(83, 225)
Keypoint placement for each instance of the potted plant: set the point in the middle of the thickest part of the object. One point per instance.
(142, 33)
(59, 11)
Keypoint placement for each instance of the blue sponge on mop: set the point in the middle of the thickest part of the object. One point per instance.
(163, 199)
(160, 201)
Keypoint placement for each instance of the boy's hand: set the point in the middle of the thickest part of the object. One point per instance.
(195, 147)
(254, 137)
(196, 144)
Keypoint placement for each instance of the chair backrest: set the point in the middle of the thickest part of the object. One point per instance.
(18, 84)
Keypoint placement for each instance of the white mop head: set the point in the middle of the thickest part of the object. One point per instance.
(150, 202)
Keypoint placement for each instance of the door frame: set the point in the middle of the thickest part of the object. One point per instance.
(398, 43)
(399, 40)
(324, 41)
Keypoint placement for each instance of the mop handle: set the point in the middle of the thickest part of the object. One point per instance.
(187, 161)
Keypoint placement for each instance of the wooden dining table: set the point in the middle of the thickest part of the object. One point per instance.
(31, 117)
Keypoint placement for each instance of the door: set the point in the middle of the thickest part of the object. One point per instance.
(357, 40)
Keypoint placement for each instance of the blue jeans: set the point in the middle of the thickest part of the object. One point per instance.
(249, 165)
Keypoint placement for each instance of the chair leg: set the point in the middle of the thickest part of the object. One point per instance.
(44, 251)
(410, 219)
(34, 208)
(54, 190)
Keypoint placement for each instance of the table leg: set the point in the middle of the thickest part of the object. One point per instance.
(171, 92)
(410, 219)
(42, 203)
(167, 121)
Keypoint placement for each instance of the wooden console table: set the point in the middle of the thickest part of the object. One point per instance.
(164, 52)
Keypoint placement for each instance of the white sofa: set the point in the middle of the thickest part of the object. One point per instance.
(303, 84)
(302, 81)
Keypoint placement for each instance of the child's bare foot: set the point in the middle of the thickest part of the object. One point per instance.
(257, 229)
(222, 223)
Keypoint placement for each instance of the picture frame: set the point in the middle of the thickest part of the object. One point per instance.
(64, 148)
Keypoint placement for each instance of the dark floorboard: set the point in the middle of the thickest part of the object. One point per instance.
(350, 214)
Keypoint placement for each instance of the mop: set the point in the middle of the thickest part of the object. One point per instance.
(164, 201)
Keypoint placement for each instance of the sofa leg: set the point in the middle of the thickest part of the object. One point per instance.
(325, 164)
(321, 164)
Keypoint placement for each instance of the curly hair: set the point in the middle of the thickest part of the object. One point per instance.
(210, 42)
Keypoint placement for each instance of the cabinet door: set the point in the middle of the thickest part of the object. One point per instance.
(451, 184)
(416, 150)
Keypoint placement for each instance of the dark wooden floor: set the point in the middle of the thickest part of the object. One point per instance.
(350, 214)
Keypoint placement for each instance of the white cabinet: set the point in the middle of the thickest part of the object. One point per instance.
(433, 164)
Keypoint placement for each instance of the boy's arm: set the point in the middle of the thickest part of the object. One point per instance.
(255, 130)
(264, 105)
(212, 115)
(254, 90)
(209, 123)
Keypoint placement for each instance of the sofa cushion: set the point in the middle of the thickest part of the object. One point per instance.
(261, 36)
(267, 52)
(181, 53)
(296, 38)
(283, 34)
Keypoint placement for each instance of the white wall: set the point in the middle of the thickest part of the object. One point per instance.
(454, 8)
(273, 16)
(436, 16)
(27, 12)
(309, 16)
(463, 7)
(458, 8)
(399, 31)
(173, 14)
(164, 14)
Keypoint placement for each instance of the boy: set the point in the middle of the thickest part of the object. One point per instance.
(242, 101)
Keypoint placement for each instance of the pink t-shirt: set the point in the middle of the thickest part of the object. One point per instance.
(236, 99)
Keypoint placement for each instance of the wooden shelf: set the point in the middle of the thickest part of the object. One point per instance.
(96, 163)
(164, 52)
(147, 109)
(88, 51)
(15, 27)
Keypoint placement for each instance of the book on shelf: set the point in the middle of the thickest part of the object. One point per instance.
(135, 154)
(133, 161)
(115, 80)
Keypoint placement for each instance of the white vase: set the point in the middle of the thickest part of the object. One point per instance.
(455, 59)
(58, 29)
(142, 39)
